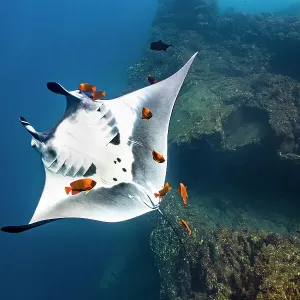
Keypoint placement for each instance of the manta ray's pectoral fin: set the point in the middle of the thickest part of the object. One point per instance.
(149, 134)
(21, 228)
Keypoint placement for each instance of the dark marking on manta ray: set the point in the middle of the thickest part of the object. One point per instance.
(118, 159)
(23, 121)
(115, 162)
(116, 140)
(99, 109)
(51, 153)
(115, 179)
(91, 171)
(63, 168)
(80, 172)
(108, 115)
(124, 170)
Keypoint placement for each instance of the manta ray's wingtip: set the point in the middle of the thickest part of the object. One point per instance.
(21, 228)
(13, 229)
(193, 56)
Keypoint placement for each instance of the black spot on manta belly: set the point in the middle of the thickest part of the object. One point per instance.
(115, 179)
(115, 162)
(118, 159)
(124, 170)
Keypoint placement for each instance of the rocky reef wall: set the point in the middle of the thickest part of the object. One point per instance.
(235, 128)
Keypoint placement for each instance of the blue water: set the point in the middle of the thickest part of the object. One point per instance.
(66, 41)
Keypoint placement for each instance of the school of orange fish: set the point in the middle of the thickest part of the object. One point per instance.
(86, 184)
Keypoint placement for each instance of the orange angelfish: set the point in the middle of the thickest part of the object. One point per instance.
(146, 113)
(158, 157)
(98, 95)
(86, 87)
(164, 191)
(183, 193)
(185, 224)
(80, 185)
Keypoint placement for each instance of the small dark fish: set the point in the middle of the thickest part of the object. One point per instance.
(159, 46)
(151, 79)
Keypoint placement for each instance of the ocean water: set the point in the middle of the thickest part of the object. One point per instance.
(70, 42)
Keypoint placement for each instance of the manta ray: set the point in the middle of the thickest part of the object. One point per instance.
(107, 141)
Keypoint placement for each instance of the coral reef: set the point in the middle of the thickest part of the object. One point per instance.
(237, 122)
(223, 263)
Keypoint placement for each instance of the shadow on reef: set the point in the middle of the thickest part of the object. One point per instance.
(266, 182)
(286, 59)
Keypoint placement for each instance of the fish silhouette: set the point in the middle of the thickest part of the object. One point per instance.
(159, 46)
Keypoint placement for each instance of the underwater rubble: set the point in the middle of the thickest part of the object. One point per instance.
(237, 121)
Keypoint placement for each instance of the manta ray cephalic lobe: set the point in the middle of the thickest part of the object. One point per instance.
(107, 141)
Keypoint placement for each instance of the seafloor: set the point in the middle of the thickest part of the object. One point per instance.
(235, 138)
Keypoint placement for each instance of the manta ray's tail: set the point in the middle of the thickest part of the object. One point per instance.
(175, 231)
(179, 238)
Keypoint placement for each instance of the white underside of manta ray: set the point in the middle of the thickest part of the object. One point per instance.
(107, 141)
